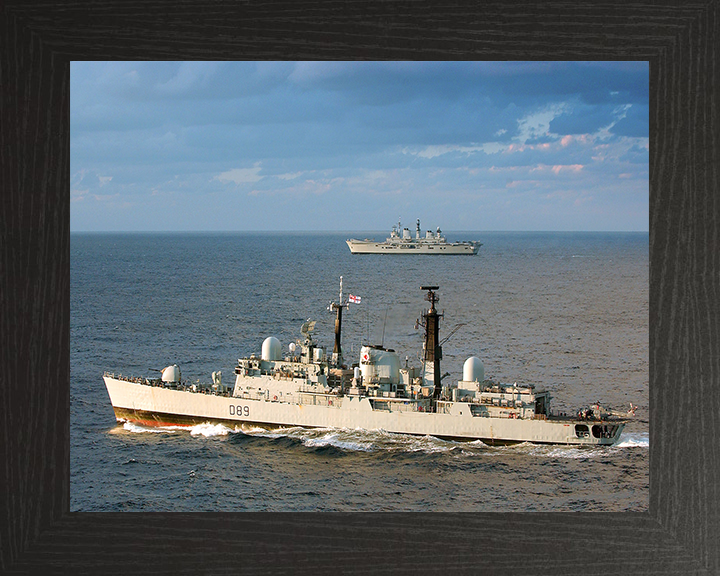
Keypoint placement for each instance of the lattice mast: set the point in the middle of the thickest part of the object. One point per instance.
(337, 307)
(432, 350)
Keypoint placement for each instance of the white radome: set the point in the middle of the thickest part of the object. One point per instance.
(473, 370)
(271, 349)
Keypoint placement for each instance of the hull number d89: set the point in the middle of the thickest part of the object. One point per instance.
(239, 410)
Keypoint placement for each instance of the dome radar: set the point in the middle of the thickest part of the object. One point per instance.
(473, 370)
(271, 349)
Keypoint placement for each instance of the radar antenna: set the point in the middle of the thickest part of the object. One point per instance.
(431, 296)
(307, 328)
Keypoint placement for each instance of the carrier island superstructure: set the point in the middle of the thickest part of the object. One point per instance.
(310, 387)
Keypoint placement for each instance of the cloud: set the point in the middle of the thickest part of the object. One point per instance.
(440, 150)
(537, 123)
(582, 119)
(403, 132)
(636, 154)
(583, 139)
(78, 195)
(603, 120)
(634, 123)
(567, 168)
(240, 175)
(290, 176)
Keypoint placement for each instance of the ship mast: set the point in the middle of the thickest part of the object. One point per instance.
(338, 308)
(431, 347)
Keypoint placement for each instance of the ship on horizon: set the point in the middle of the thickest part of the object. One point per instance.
(401, 241)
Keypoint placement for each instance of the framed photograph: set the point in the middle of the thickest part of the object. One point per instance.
(674, 534)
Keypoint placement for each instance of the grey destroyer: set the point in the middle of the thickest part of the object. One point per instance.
(401, 241)
(307, 386)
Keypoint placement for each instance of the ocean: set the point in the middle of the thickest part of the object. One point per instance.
(565, 311)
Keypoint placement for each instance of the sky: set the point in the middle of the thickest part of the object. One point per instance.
(355, 146)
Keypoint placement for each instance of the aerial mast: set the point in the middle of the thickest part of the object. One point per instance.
(338, 308)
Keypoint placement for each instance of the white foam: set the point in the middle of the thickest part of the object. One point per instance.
(334, 440)
(568, 452)
(139, 429)
(275, 433)
(357, 439)
(207, 430)
(634, 440)
(210, 430)
(428, 444)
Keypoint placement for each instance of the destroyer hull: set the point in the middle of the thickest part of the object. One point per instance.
(159, 406)
(371, 247)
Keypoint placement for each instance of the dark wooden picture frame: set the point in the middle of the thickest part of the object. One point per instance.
(680, 532)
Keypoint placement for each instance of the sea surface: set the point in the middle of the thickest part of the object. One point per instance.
(565, 311)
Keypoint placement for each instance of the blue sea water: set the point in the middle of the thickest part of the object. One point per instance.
(566, 311)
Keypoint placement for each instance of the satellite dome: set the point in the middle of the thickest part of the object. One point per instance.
(171, 374)
(473, 370)
(271, 349)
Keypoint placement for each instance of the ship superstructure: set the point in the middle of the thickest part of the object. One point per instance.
(309, 387)
(401, 241)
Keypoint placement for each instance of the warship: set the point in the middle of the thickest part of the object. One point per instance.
(310, 387)
(400, 241)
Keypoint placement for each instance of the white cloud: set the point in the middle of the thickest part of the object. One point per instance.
(346, 130)
(567, 168)
(76, 178)
(537, 124)
(240, 175)
(290, 175)
(557, 168)
(439, 150)
(620, 112)
(77, 195)
(579, 138)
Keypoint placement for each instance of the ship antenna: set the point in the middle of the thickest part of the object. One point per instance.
(382, 342)
(367, 326)
(338, 308)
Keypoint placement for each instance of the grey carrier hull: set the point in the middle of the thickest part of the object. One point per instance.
(401, 242)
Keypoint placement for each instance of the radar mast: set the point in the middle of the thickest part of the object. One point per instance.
(432, 350)
(337, 307)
